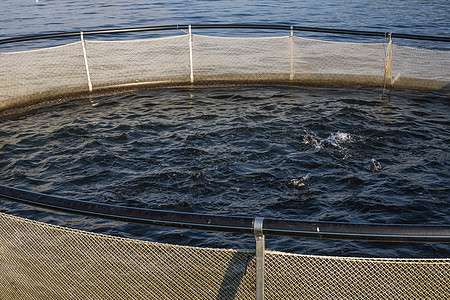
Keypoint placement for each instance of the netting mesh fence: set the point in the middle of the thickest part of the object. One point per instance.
(114, 63)
(43, 261)
(86, 67)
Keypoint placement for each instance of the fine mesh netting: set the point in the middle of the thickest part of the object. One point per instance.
(89, 68)
(42, 261)
(31, 76)
(112, 63)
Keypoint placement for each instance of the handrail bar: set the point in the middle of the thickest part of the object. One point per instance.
(227, 26)
(236, 224)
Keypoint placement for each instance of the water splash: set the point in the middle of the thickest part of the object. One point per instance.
(335, 140)
(311, 139)
(338, 138)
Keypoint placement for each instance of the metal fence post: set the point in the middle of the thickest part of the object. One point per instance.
(260, 251)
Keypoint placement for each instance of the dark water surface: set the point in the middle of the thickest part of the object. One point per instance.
(18, 17)
(280, 152)
(314, 154)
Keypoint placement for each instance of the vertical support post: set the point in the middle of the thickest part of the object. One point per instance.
(388, 64)
(191, 66)
(260, 253)
(83, 44)
(291, 76)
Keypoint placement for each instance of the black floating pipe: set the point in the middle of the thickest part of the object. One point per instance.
(129, 214)
(226, 26)
(322, 230)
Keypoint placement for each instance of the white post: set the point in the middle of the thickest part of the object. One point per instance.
(191, 66)
(388, 64)
(291, 77)
(86, 62)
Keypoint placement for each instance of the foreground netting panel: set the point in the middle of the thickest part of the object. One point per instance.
(93, 68)
(43, 261)
(356, 278)
(48, 262)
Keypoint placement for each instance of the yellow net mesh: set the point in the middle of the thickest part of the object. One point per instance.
(65, 72)
(42, 261)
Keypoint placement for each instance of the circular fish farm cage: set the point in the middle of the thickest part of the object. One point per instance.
(271, 169)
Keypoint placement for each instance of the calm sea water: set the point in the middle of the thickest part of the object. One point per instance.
(238, 151)
(19, 17)
(25, 17)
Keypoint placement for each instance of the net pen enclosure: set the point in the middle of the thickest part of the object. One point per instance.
(41, 259)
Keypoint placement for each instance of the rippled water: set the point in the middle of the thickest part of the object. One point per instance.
(19, 17)
(315, 154)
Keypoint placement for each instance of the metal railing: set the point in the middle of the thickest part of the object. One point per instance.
(228, 26)
(278, 227)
